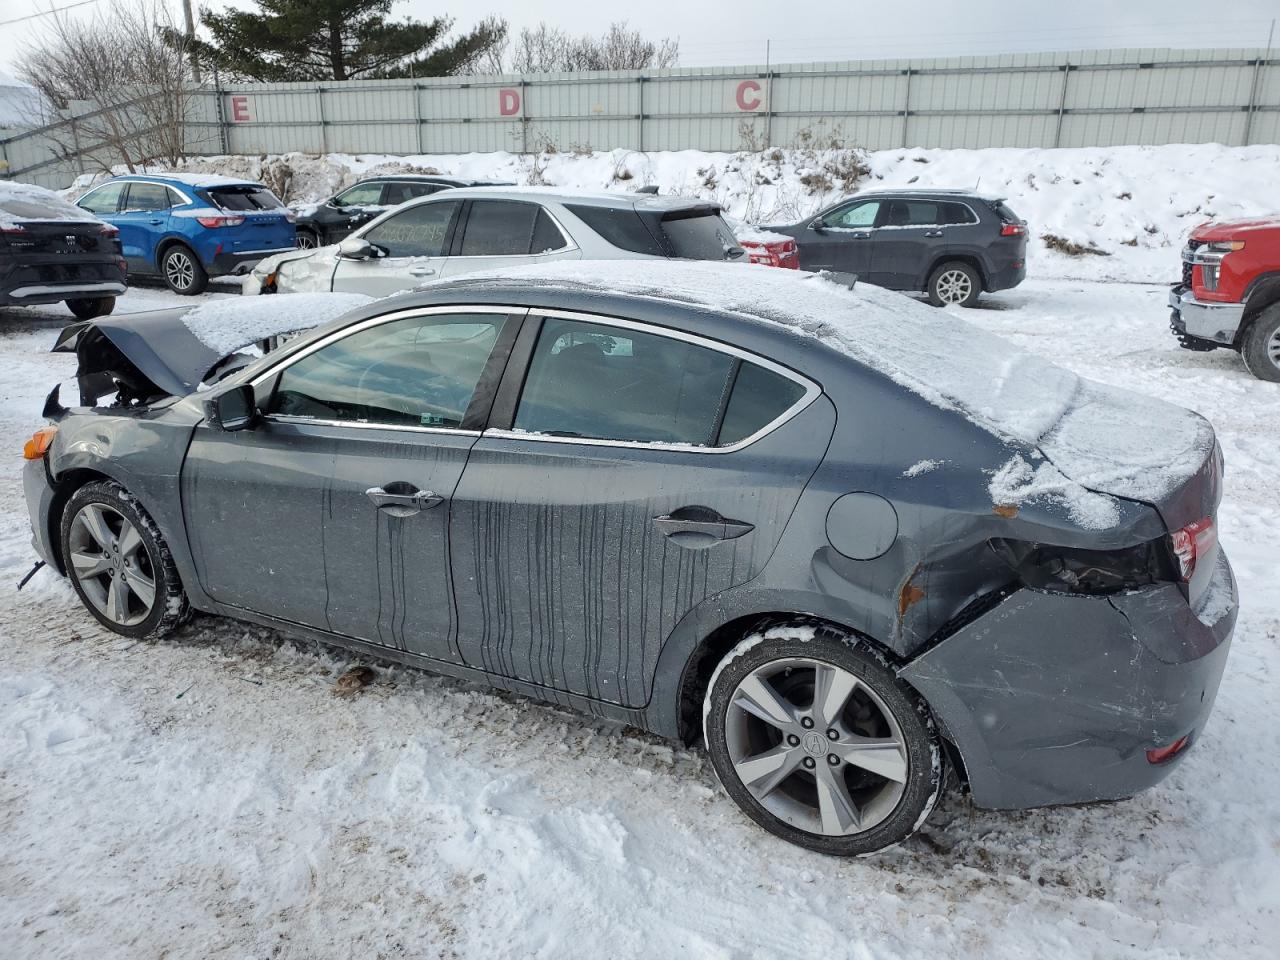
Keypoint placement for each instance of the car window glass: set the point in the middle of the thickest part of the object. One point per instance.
(247, 197)
(858, 215)
(704, 236)
(419, 231)
(623, 228)
(609, 383)
(105, 199)
(360, 194)
(400, 192)
(499, 228)
(759, 397)
(148, 196)
(415, 372)
(546, 235)
(956, 213)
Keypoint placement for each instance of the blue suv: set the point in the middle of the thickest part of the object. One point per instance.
(187, 227)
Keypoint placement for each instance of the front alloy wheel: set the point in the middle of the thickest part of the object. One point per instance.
(119, 564)
(820, 744)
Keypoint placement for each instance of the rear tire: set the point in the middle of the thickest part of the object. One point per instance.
(86, 308)
(183, 271)
(954, 282)
(1260, 347)
(818, 742)
(119, 564)
(307, 240)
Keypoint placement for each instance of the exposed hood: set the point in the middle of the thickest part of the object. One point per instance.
(1231, 229)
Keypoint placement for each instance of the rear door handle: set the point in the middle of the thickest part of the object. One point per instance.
(933, 233)
(421, 271)
(699, 527)
(402, 502)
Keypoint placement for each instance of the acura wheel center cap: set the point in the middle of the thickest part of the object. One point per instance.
(814, 744)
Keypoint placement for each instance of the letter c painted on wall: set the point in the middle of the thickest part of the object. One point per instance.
(508, 102)
(748, 95)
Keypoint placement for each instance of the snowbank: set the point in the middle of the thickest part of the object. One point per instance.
(1134, 205)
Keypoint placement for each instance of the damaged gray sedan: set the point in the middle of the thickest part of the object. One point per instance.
(854, 544)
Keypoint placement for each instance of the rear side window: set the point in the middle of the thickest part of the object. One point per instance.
(508, 228)
(621, 227)
(703, 236)
(759, 397)
(148, 196)
(400, 192)
(416, 372)
(244, 198)
(1004, 212)
(957, 213)
(419, 231)
(609, 383)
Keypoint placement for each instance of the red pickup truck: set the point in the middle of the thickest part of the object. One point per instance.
(1230, 292)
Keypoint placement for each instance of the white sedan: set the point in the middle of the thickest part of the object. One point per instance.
(486, 227)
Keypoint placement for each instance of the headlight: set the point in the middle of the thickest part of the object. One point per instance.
(1225, 246)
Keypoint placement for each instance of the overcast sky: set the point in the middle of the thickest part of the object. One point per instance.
(736, 32)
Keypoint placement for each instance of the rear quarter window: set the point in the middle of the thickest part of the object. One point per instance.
(759, 397)
(1005, 212)
(622, 227)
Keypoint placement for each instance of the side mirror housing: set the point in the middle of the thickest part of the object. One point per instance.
(355, 248)
(232, 409)
(818, 225)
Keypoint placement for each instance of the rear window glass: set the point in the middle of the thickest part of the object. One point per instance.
(759, 397)
(621, 227)
(245, 198)
(702, 237)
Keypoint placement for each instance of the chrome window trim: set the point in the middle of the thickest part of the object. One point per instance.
(358, 327)
(975, 222)
(812, 390)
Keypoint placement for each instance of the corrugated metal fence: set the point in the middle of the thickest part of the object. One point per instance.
(1085, 98)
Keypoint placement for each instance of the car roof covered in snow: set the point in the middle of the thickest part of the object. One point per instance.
(1102, 438)
(591, 198)
(189, 179)
(433, 178)
(26, 202)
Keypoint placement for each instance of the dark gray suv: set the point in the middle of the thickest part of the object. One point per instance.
(849, 541)
(950, 244)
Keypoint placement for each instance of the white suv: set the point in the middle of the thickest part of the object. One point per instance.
(484, 228)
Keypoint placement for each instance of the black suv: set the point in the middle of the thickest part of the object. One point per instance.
(331, 220)
(51, 251)
(950, 244)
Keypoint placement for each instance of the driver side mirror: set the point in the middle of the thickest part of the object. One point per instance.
(233, 409)
(356, 248)
(818, 225)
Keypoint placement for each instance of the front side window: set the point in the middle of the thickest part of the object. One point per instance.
(610, 383)
(508, 228)
(362, 194)
(106, 199)
(858, 216)
(415, 372)
(148, 196)
(419, 231)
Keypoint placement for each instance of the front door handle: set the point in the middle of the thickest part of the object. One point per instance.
(699, 527)
(933, 233)
(421, 271)
(399, 499)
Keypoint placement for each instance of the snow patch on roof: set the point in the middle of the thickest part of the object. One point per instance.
(224, 326)
(206, 179)
(25, 203)
(1100, 437)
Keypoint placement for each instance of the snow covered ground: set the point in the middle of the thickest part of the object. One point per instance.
(209, 796)
(1131, 206)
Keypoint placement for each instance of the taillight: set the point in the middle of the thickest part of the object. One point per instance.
(1013, 229)
(1192, 542)
(220, 220)
(291, 216)
(107, 230)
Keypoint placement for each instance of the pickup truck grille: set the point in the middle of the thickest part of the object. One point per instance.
(1187, 251)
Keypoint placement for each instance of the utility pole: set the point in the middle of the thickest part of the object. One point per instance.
(1253, 89)
(191, 35)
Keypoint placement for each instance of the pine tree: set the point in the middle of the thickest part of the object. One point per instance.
(288, 40)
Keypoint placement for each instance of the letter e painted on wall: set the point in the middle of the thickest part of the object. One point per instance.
(240, 109)
(509, 102)
(748, 95)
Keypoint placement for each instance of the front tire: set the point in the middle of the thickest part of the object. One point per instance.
(119, 564)
(817, 741)
(86, 308)
(183, 271)
(1260, 347)
(954, 282)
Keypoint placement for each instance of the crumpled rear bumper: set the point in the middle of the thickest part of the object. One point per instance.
(1056, 699)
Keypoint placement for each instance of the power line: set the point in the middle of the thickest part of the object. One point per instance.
(46, 13)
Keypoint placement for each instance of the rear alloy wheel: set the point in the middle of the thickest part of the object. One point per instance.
(954, 282)
(118, 562)
(819, 743)
(1260, 347)
(306, 240)
(183, 271)
(86, 308)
